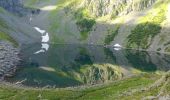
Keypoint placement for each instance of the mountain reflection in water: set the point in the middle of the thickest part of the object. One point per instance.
(72, 65)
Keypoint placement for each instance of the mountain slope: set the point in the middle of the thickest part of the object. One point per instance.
(106, 22)
(12, 27)
(133, 14)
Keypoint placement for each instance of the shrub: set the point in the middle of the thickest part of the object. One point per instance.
(84, 22)
(147, 28)
(139, 36)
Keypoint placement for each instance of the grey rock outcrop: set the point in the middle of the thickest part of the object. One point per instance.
(8, 59)
(116, 7)
(16, 6)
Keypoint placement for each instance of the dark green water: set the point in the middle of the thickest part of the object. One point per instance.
(72, 65)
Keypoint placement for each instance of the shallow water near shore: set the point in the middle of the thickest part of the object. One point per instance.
(65, 65)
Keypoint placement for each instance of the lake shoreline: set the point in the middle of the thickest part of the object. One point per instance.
(79, 87)
(140, 86)
(14, 53)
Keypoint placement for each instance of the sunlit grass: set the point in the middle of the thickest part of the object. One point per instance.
(5, 36)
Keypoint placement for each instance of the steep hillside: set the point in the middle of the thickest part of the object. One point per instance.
(139, 24)
(12, 27)
(125, 22)
(114, 8)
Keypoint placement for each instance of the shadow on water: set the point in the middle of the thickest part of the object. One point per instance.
(141, 60)
(72, 65)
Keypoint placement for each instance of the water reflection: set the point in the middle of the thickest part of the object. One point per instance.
(141, 60)
(45, 38)
(117, 49)
(44, 48)
(71, 65)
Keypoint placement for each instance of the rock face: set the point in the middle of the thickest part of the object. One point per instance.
(116, 7)
(8, 59)
(16, 6)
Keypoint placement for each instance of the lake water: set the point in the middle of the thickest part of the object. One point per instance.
(72, 65)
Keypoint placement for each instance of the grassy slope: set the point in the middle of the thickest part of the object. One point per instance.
(66, 19)
(63, 27)
(3, 35)
(148, 27)
(111, 91)
(84, 21)
(57, 23)
(78, 19)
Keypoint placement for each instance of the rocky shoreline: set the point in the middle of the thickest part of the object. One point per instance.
(9, 59)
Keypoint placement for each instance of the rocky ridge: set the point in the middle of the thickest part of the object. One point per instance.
(116, 7)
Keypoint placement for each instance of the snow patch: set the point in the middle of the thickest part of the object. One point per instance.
(45, 39)
(39, 30)
(117, 45)
(49, 8)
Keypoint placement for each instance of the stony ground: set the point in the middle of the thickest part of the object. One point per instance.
(8, 59)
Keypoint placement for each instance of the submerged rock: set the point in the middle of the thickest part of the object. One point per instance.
(9, 59)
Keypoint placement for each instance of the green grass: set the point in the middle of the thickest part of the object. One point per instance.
(84, 21)
(148, 27)
(140, 35)
(55, 18)
(119, 8)
(4, 36)
(2, 22)
(85, 26)
(103, 92)
(167, 49)
(139, 95)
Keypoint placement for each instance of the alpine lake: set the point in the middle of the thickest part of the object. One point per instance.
(70, 65)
